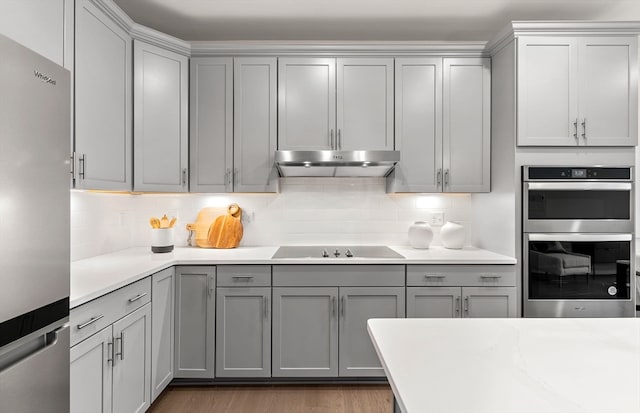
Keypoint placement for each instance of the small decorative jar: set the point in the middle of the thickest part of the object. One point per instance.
(420, 235)
(452, 235)
(162, 240)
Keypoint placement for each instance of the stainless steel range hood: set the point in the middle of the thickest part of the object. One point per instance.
(336, 163)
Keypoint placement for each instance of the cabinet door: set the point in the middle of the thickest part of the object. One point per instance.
(90, 386)
(418, 92)
(305, 332)
(467, 129)
(243, 332)
(254, 120)
(195, 318)
(433, 302)
(608, 91)
(132, 361)
(306, 103)
(365, 104)
(160, 119)
(102, 101)
(357, 356)
(211, 124)
(162, 330)
(489, 302)
(547, 91)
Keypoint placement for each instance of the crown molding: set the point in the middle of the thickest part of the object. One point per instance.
(140, 32)
(561, 28)
(346, 48)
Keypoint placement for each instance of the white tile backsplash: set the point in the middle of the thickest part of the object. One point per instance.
(306, 211)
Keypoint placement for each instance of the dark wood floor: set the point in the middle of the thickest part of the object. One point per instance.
(369, 398)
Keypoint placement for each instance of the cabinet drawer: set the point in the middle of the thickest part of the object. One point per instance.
(95, 315)
(338, 275)
(244, 276)
(461, 275)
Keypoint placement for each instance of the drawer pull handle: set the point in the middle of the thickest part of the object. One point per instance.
(242, 277)
(93, 320)
(137, 297)
(434, 277)
(490, 277)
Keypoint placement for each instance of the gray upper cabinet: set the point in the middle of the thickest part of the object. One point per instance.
(162, 330)
(608, 110)
(160, 119)
(357, 355)
(443, 129)
(418, 136)
(306, 103)
(565, 93)
(305, 332)
(255, 129)
(243, 332)
(233, 124)
(103, 125)
(466, 130)
(335, 104)
(364, 110)
(195, 322)
(211, 120)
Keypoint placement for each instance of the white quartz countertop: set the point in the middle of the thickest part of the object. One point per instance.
(530, 365)
(94, 277)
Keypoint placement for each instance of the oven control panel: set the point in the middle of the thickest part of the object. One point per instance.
(551, 173)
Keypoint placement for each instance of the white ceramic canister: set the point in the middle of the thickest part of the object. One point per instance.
(162, 239)
(420, 235)
(452, 235)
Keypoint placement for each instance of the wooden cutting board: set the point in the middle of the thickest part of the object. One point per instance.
(226, 231)
(206, 218)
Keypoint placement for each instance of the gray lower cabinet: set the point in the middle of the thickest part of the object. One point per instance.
(489, 302)
(131, 362)
(243, 332)
(195, 318)
(110, 370)
(357, 305)
(305, 332)
(91, 373)
(320, 315)
(162, 330)
(449, 291)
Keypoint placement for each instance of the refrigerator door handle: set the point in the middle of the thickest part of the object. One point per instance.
(29, 348)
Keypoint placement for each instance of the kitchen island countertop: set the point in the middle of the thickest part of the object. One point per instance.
(96, 276)
(516, 365)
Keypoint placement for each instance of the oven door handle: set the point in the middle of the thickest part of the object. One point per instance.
(579, 186)
(579, 237)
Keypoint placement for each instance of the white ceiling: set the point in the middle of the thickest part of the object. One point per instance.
(391, 20)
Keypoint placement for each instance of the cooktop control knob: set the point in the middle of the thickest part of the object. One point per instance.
(348, 253)
(336, 253)
(325, 253)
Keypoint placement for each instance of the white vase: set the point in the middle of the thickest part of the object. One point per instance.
(420, 235)
(452, 235)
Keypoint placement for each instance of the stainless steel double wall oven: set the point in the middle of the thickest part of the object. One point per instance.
(578, 241)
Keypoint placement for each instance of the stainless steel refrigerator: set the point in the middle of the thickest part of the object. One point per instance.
(34, 232)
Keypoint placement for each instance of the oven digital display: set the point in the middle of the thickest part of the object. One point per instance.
(579, 173)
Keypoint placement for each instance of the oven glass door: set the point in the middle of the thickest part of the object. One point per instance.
(578, 266)
(571, 200)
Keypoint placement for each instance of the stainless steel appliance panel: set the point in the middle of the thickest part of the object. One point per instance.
(34, 181)
(34, 372)
(578, 275)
